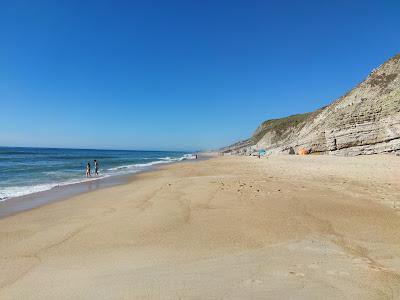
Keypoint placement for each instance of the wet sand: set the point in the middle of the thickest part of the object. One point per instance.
(34, 200)
(283, 227)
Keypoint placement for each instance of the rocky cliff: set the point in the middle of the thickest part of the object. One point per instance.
(366, 120)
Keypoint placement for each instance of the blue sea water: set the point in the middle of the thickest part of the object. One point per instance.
(29, 170)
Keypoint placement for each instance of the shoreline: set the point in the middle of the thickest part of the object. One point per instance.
(287, 227)
(23, 203)
(15, 205)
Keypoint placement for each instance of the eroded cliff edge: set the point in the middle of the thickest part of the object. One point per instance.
(366, 120)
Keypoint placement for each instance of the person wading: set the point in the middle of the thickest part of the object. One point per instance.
(88, 170)
(96, 167)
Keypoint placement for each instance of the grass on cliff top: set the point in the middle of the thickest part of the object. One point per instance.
(281, 126)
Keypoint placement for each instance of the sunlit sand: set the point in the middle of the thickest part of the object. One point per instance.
(313, 227)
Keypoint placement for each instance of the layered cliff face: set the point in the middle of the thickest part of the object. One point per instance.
(364, 121)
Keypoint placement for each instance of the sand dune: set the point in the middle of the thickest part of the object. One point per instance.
(284, 227)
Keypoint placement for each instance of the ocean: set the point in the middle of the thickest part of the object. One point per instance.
(25, 171)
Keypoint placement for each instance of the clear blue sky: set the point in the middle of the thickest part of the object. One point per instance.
(178, 74)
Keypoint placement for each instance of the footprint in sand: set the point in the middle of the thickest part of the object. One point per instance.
(252, 281)
(296, 274)
(336, 273)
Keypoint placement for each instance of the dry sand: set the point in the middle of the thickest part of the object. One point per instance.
(284, 227)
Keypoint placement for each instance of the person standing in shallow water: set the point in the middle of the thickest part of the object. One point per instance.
(96, 167)
(88, 170)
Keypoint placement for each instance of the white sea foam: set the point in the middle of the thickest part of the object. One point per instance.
(18, 191)
(162, 160)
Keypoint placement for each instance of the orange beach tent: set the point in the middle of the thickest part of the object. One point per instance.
(302, 151)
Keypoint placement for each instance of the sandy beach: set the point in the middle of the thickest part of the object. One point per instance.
(283, 227)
